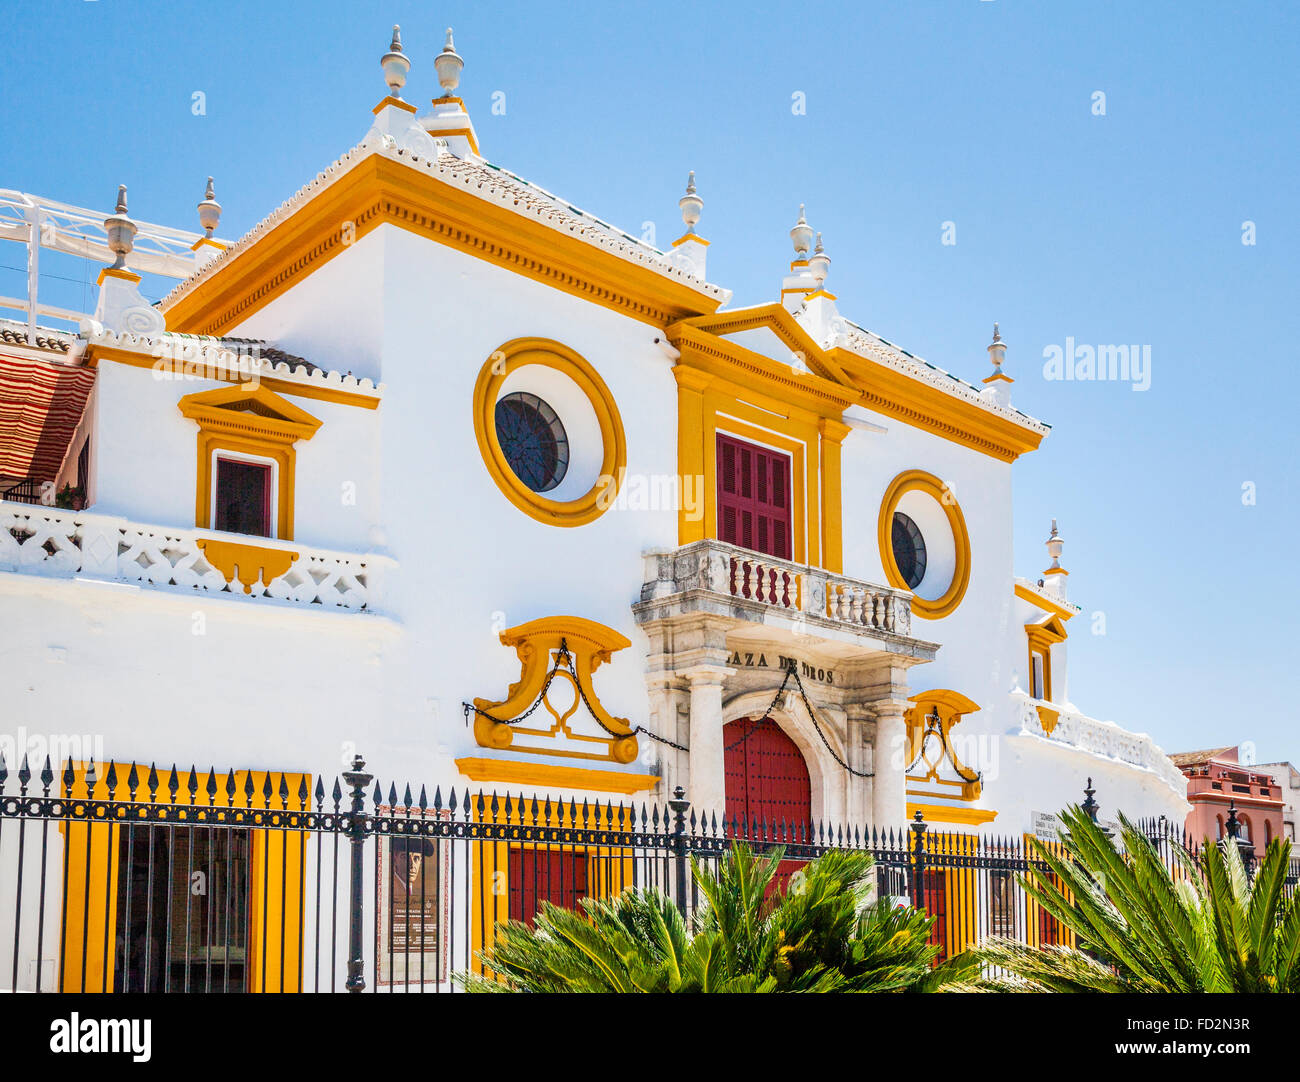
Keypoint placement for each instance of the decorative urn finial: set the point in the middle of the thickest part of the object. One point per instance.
(691, 204)
(801, 235)
(819, 262)
(121, 231)
(396, 64)
(209, 211)
(1055, 545)
(997, 352)
(449, 64)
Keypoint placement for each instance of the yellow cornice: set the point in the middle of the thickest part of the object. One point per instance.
(823, 390)
(112, 272)
(914, 402)
(690, 236)
(547, 775)
(201, 370)
(941, 813)
(405, 106)
(380, 191)
(1026, 594)
(753, 376)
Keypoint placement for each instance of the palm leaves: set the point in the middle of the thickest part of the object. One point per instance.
(1202, 927)
(821, 934)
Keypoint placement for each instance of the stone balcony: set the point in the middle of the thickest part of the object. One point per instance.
(47, 541)
(740, 587)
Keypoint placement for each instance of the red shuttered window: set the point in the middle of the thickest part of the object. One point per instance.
(754, 497)
(547, 875)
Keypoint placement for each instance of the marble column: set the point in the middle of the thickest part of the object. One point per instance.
(707, 788)
(889, 788)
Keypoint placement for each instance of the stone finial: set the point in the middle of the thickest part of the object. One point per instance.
(801, 235)
(819, 262)
(209, 211)
(691, 204)
(121, 231)
(1055, 544)
(997, 354)
(449, 64)
(396, 64)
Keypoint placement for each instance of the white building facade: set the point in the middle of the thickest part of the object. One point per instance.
(428, 432)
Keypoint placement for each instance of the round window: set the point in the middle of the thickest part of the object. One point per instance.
(533, 440)
(909, 550)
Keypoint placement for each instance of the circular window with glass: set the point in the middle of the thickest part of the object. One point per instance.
(909, 550)
(533, 440)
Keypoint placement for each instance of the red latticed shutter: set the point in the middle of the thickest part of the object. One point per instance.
(753, 497)
(547, 875)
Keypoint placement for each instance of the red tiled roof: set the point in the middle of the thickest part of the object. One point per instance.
(41, 404)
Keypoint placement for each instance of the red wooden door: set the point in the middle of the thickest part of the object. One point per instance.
(754, 497)
(768, 791)
(548, 875)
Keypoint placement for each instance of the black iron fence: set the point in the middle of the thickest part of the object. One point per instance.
(120, 878)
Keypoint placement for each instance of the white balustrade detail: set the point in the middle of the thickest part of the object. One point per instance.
(719, 568)
(50, 541)
(1103, 738)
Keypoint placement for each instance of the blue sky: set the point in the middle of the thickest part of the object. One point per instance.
(1122, 228)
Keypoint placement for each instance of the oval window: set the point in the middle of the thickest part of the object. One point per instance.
(533, 440)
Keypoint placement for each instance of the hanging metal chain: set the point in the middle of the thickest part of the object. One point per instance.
(564, 660)
(808, 706)
(792, 669)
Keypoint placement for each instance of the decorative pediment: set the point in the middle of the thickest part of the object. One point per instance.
(249, 407)
(1046, 632)
(557, 657)
(934, 768)
(767, 348)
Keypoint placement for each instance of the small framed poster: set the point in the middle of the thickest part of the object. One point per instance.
(412, 905)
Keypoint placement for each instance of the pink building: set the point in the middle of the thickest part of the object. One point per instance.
(1217, 782)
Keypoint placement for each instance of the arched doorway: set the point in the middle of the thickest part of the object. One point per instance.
(766, 777)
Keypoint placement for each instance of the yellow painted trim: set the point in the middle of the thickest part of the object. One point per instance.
(824, 388)
(1046, 604)
(200, 370)
(93, 921)
(998, 377)
(125, 275)
(690, 237)
(516, 354)
(822, 293)
(894, 394)
(920, 481)
(468, 133)
(590, 644)
(941, 813)
(377, 191)
(1056, 571)
(248, 563)
(405, 106)
(223, 426)
(725, 387)
(207, 242)
(516, 772)
(1047, 718)
(952, 707)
